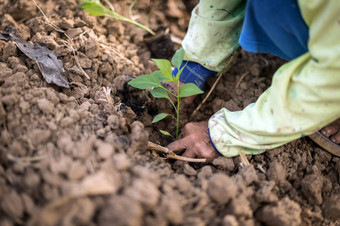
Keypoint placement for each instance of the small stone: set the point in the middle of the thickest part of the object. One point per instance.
(66, 24)
(39, 136)
(85, 62)
(172, 211)
(276, 172)
(52, 96)
(188, 170)
(331, 207)
(284, 212)
(144, 192)
(205, 172)
(74, 32)
(255, 70)
(76, 171)
(113, 121)
(221, 188)
(28, 204)
(12, 205)
(10, 99)
(224, 163)
(122, 210)
(83, 149)
(91, 48)
(121, 161)
(240, 207)
(45, 106)
(61, 165)
(182, 183)
(229, 220)
(31, 180)
(264, 194)
(67, 121)
(24, 107)
(311, 187)
(104, 150)
(249, 174)
(63, 98)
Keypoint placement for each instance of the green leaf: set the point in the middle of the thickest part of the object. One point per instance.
(166, 133)
(159, 117)
(146, 81)
(177, 59)
(158, 74)
(159, 93)
(94, 8)
(180, 71)
(189, 89)
(165, 67)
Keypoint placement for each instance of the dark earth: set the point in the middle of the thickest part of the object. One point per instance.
(79, 156)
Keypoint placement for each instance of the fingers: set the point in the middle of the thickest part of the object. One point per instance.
(189, 153)
(329, 130)
(179, 145)
(335, 138)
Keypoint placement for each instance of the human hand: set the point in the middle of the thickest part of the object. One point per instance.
(195, 142)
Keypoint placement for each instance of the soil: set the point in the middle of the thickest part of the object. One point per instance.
(79, 157)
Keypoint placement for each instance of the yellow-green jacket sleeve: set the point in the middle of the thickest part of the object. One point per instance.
(213, 32)
(304, 95)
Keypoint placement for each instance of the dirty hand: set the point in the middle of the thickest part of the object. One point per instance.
(194, 141)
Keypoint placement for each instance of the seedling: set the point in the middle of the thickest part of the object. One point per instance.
(95, 8)
(153, 82)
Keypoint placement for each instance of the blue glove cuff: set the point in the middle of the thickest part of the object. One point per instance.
(194, 73)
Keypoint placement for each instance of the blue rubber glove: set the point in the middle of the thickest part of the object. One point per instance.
(194, 73)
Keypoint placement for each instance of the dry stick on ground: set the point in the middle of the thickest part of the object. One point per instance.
(170, 154)
(244, 160)
(226, 68)
(240, 80)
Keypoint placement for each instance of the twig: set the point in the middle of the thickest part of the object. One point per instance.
(110, 5)
(244, 160)
(226, 68)
(176, 40)
(240, 80)
(170, 154)
(130, 9)
(25, 159)
(260, 167)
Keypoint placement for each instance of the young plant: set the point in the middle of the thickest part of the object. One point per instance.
(95, 8)
(153, 82)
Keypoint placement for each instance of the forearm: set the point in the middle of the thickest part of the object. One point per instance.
(303, 98)
(213, 32)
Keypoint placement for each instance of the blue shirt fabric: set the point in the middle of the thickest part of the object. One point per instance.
(275, 27)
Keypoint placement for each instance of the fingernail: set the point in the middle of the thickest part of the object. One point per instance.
(324, 132)
(333, 140)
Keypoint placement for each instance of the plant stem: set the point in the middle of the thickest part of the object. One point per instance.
(120, 17)
(177, 109)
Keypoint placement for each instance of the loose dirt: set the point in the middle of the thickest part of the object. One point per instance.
(78, 156)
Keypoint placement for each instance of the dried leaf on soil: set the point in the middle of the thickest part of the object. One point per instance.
(50, 66)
